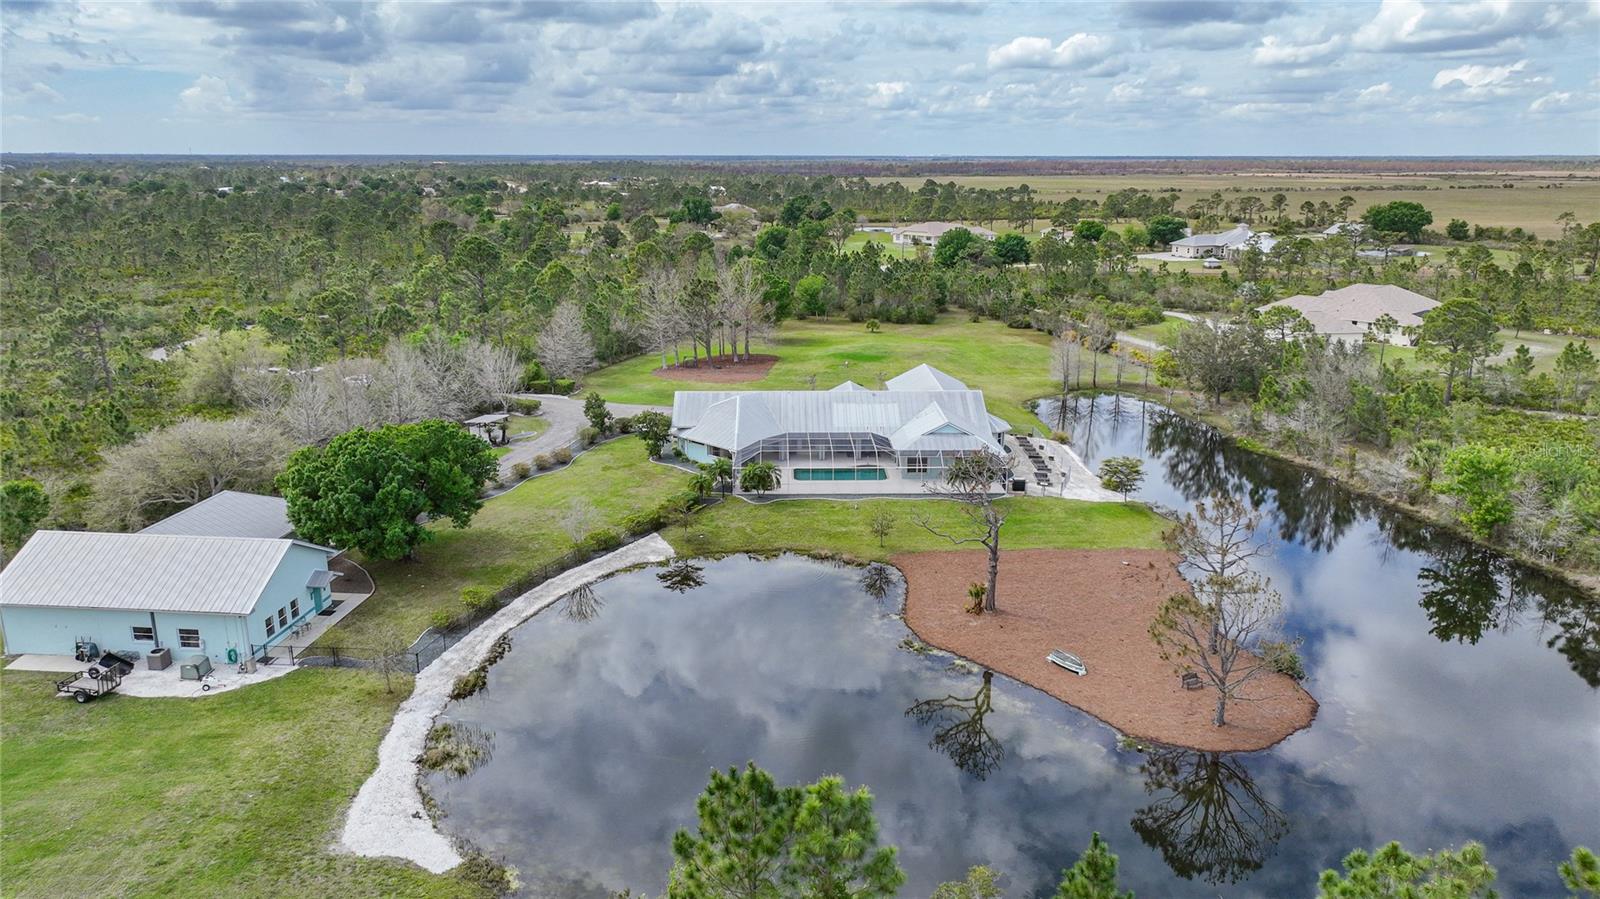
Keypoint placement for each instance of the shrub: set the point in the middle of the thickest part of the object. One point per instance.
(587, 436)
(533, 376)
(622, 424)
(478, 599)
(562, 456)
(1282, 658)
(521, 471)
(603, 540)
(563, 386)
(543, 462)
(524, 406)
(442, 620)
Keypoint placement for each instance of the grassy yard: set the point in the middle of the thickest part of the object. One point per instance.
(1162, 333)
(515, 532)
(842, 527)
(1478, 198)
(1010, 366)
(1544, 347)
(518, 425)
(235, 795)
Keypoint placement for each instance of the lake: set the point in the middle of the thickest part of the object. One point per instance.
(1458, 701)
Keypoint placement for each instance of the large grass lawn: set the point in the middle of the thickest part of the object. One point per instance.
(818, 525)
(515, 532)
(234, 795)
(1010, 366)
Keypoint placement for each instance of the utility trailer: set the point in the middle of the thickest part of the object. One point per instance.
(99, 679)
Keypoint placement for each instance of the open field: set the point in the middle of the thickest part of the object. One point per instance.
(1010, 366)
(1532, 204)
(835, 526)
(232, 795)
(1544, 347)
(513, 534)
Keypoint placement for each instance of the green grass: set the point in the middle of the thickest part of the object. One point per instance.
(818, 525)
(1010, 366)
(1162, 333)
(1545, 349)
(233, 795)
(1531, 205)
(514, 533)
(527, 424)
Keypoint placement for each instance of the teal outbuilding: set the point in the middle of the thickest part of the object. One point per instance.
(219, 596)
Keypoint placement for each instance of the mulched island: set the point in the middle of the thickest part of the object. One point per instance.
(721, 370)
(1098, 605)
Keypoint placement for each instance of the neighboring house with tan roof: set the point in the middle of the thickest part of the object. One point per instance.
(1348, 313)
(930, 232)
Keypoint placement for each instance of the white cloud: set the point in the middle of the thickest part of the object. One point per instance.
(1275, 51)
(1127, 91)
(76, 118)
(1376, 93)
(889, 95)
(208, 94)
(1078, 51)
(1551, 102)
(1478, 79)
(1415, 26)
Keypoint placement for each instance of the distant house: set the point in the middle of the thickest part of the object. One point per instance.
(734, 208)
(1352, 230)
(930, 232)
(222, 597)
(230, 513)
(1224, 245)
(1348, 313)
(845, 440)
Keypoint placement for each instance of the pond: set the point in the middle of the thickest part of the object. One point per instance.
(1457, 691)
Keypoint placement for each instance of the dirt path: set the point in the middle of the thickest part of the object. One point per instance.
(565, 415)
(1098, 605)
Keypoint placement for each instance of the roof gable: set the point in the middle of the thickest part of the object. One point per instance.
(144, 572)
(924, 377)
(230, 513)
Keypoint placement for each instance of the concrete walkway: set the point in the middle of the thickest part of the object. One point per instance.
(565, 415)
(387, 818)
(165, 684)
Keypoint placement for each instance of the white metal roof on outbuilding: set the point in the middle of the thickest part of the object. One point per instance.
(143, 572)
(229, 514)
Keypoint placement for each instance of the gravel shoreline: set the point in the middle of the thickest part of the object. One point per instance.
(387, 818)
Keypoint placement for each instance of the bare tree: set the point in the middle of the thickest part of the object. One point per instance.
(741, 295)
(661, 308)
(170, 468)
(580, 518)
(1065, 352)
(1217, 539)
(565, 348)
(1227, 639)
(970, 481)
(959, 731)
(498, 372)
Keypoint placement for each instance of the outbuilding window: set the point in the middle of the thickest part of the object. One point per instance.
(283, 617)
(189, 637)
(294, 608)
(271, 627)
(145, 634)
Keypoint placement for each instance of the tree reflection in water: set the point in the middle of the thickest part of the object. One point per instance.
(877, 580)
(1208, 819)
(682, 576)
(582, 604)
(959, 731)
(1465, 589)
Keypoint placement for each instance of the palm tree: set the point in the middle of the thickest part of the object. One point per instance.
(759, 477)
(703, 483)
(721, 471)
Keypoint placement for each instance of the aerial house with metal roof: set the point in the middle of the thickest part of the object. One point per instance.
(217, 596)
(845, 440)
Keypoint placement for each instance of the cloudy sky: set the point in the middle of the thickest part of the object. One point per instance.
(797, 77)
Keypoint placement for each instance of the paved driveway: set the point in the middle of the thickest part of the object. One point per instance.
(565, 415)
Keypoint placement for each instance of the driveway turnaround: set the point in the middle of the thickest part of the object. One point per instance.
(565, 415)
